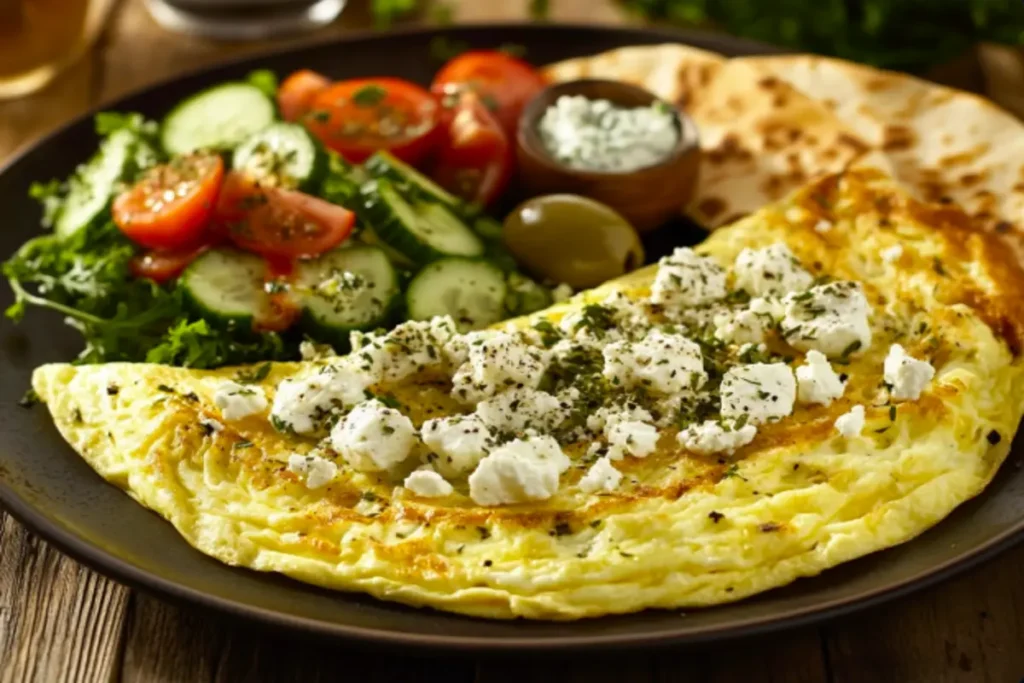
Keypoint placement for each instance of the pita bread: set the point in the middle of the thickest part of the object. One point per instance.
(945, 145)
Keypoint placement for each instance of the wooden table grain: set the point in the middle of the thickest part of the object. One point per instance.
(62, 622)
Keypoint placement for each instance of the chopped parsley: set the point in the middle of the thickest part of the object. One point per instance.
(369, 95)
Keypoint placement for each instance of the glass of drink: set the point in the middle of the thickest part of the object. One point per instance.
(40, 38)
(244, 19)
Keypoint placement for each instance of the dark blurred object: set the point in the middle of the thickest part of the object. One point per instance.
(244, 19)
(908, 35)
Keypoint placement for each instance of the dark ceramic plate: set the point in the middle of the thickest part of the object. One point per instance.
(49, 488)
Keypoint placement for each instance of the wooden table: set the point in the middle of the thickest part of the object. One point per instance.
(62, 622)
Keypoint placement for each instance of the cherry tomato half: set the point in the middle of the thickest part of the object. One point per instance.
(474, 160)
(163, 265)
(358, 117)
(172, 204)
(504, 83)
(296, 94)
(279, 223)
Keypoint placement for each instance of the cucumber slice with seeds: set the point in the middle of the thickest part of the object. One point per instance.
(221, 117)
(282, 155)
(471, 291)
(94, 184)
(384, 165)
(226, 287)
(422, 231)
(351, 288)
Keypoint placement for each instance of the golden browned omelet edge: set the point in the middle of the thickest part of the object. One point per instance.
(683, 531)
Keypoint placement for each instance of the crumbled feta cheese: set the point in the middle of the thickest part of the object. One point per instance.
(373, 437)
(460, 442)
(740, 327)
(456, 351)
(495, 363)
(602, 476)
(687, 279)
(414, 347)
(631, 437)
(817, 382)
(211, 424)
(762, 392)
(713, 437)
(600, 135)
(663, 363)
(823, 226)
(522, 470)
(561, 292)
(518, 410)
(318, 471)
(892, 254)
(237, 401)
(608, 416)
(427, 483)
(769, 309)
(615, 317)
(852, 423)
(907, 375)
(773, 270)
(303, 404)
(830, 318)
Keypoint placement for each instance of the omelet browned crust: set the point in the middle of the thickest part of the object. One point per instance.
(683, 530)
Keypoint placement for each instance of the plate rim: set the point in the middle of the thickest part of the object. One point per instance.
(110, 566)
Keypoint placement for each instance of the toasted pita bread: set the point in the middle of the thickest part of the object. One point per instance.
(943, 144)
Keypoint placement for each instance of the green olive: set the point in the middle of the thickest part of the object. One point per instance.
(572, 239)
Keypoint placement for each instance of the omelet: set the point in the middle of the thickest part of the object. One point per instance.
(917, 415)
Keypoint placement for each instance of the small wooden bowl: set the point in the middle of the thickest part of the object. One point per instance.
(648, 196)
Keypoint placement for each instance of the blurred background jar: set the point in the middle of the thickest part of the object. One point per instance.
(243, 19)
(40, 38)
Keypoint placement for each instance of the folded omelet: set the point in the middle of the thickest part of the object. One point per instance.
(834, 409)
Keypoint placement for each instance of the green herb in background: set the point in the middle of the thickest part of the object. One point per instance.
(908, 35)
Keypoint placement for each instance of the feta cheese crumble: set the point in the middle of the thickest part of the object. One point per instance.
(304, 404)
(631, 437)
(599, 135)
(518, 410)
(713, 437)
(602, 476)
(237, 401)
(740, 327)
(663, 363)
(427, 483)
(773, 270)
(411, 348)
(373, 437)
(763, 392)
(852, 423)
(687, 279)
(907, 375)
(817, 382)
(832, 319)
(521, 471)
(495, 363)
(561, 292)
(316, 470)
(459, 442)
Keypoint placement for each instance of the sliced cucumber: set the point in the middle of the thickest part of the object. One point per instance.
(282, 155)
(221, 117)
(415, 184)
(525, 295)
(400, 260)
(471, 291)
(94, 184)
(226, 287)
(353, 288)
(422, 231)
